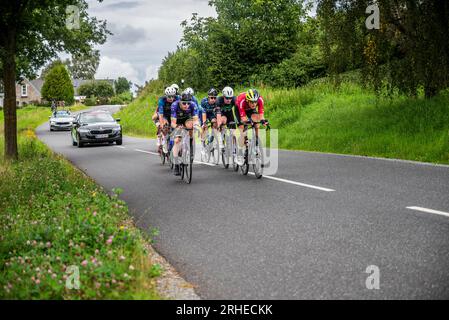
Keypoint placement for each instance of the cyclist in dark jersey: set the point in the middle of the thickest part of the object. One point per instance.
(164, 109)
(227, 107)
(184, 113)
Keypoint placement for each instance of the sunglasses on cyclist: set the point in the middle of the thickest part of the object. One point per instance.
(213, 98)
(185, 102)
(230, 98)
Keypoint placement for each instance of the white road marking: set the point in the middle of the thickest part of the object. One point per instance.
(266, 177)
(207, 164)
(441, 213)
(120, 147)
(153, 153)
(295, 183)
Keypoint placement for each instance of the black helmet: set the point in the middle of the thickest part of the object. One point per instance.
(212, 92)
(186, 96)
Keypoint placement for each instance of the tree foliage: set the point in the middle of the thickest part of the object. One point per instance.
(122, 85)
(247, 37)
(84, 65)
(57, 85)
(99, 89)
(410, 51)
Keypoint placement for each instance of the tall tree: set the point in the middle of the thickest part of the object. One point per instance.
(52, 64)
(58, 85)
(84, 65)
(33, 32)
(122, 85)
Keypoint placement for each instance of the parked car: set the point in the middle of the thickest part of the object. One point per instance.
(61, 120)
(96, 127)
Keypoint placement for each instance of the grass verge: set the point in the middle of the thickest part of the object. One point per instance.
(56, 223)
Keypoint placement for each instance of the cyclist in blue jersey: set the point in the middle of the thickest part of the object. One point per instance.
(184, 114)
(210, 107)
(164, 109)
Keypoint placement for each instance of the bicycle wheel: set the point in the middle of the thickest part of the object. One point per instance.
(162, 155)
(225, 150)
(215, 151)
(235, 166)
(188, 166)
(258, 159)
(245, 167)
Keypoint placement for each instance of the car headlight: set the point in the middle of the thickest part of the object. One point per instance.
(118, 129)
(52, 122)
(81, 130)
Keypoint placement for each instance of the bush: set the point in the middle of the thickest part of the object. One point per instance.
(91, 101)
(100, 89)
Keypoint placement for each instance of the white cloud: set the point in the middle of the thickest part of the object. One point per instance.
(144, 31)
(151, 72)
(113, 68)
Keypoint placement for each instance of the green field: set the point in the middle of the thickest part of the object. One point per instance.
(348, 120)
(54, 217)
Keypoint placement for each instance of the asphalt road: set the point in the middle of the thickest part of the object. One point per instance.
(235, 237)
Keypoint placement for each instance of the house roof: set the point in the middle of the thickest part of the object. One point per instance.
(37, 84)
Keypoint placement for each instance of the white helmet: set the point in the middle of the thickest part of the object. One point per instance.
(174, 85)
(170, 91)
(228, 92)
(190, 90)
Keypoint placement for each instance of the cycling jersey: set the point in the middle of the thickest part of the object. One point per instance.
(210, 109)
(243, 106)
(223, 107)
(182, 116)
(164, 107)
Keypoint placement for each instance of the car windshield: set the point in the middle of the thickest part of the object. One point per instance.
(62, 115)
(96, 117)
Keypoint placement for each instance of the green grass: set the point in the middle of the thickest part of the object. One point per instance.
(136, 117)
(54, 217)
(348, 120)
(352, 120)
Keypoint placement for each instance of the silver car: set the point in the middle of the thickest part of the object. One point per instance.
(61, 120)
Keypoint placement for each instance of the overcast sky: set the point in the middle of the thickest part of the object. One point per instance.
(144, 32)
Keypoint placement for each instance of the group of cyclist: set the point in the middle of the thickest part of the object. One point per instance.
(178, 110)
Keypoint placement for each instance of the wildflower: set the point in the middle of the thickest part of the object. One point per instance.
(53, 275)
(97, 251)
(122, 258)
(84, 263)
(94, 213)
(122, 228)
(131, 267)
(48, 244)
(28, 242)
(109, 241)
(37, 281)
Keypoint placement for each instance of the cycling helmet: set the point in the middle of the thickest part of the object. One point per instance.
(170, 91)
(190, 90)
(186, 96)
(174, 85)
(228, 92)
(212, 92)
(252, 95)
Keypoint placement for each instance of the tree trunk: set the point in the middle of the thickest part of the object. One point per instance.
(10, 109)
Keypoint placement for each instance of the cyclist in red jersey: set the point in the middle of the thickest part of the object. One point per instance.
(250, 106)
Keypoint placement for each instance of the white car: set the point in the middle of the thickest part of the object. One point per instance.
(61, 120)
